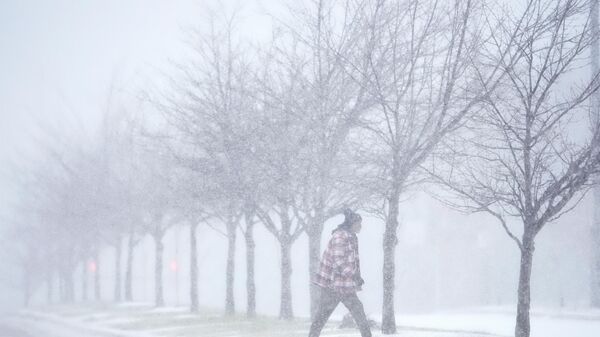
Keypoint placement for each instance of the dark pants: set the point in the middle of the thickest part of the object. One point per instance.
(328, 303)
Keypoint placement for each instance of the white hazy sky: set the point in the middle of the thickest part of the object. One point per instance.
(58, 58)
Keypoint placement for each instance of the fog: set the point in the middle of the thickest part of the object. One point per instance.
(445, 260)
(118, 83)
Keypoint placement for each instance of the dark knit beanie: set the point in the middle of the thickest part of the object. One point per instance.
(350, 217)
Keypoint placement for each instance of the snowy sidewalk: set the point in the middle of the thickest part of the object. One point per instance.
(501, 321)
(143, 321)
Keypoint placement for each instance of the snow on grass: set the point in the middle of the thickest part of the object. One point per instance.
(141, 320)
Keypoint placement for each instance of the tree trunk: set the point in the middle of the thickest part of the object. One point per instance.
(230, 269)
(595, 270)
(84, 280)
(26, 286)
(522, 328)
(97, 294)
(194, 305)
(67, 285)
(595, 247)
(49, 286)
(70, 285)
(390, 240)
(129, 271)
(61, 286)
(158, 270)
(314, 253)
(118, 249)
(285, 310)
(250, 283)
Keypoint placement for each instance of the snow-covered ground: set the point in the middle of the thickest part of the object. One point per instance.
(145, 321)
(501, 321)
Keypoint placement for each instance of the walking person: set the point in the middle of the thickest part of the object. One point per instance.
(339, 276)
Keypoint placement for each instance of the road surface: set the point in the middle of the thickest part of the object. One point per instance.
(18, 326)
(7, 330)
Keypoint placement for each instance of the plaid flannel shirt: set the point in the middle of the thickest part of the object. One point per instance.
(340, 264)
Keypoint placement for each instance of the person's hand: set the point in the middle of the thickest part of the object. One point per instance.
(359, 280)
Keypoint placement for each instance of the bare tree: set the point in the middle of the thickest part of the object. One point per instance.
(283, 153)
(161, 207)
(525, 159)
(210, 110)
(197, 194)
(330, 58)
(420, 76)
(126, 141)
(119, 189)
(59, 198)
(22, 240)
